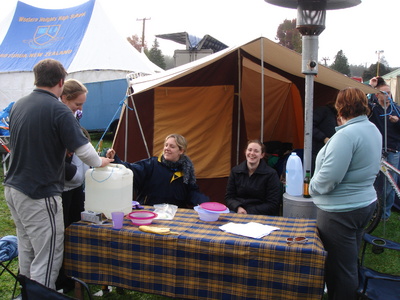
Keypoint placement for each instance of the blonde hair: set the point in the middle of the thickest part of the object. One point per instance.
(180, 141)
(72, 89)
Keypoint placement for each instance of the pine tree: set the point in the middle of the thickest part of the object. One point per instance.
(155, 55)
(341, 64)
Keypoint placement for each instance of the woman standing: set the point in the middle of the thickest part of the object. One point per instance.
(342, 189)
(168, 178)
(73, 196)
(253, 186)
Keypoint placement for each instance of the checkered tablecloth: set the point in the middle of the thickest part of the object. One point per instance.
(202, 262)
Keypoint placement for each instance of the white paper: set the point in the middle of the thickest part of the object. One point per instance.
(251, 229)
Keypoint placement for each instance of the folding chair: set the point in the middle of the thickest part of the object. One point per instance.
(33, 290)
(375, 285)
(8, 252)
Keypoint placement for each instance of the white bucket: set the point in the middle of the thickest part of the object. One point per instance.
(109, 189)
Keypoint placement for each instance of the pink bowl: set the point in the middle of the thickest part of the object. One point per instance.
(141, 217)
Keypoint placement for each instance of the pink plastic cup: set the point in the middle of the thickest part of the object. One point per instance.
(118, 219)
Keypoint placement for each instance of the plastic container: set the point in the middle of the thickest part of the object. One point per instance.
(109, 189)
(213, 206)
(142, 217)
(294, 175)
(205, 215)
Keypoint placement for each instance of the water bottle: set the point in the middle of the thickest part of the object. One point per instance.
(294, 175)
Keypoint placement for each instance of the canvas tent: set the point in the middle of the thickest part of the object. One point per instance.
(221, 101)
(81, 37)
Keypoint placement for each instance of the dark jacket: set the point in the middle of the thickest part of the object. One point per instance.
(324, 123)
(155, 183)
(258, 194)
(377, 117)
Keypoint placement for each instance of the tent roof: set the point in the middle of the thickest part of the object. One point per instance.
(392, 74)
(273, 54)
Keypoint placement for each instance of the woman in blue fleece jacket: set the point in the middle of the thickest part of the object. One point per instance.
(342, 189)
(168, 178)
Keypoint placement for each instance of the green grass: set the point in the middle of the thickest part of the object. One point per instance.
(387, 262)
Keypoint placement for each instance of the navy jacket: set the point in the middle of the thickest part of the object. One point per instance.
(259, 193)
(324, 123)
(377, 117)
(155, 183)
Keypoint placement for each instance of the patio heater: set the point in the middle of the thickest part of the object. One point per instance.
(310, 23)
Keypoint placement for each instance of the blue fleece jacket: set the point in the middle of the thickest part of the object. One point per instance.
(346, 167)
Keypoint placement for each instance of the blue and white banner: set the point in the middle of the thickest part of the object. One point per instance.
(36, 34)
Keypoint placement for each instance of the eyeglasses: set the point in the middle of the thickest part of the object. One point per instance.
(386, 93)
(297, 240)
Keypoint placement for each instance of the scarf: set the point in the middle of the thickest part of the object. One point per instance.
(185, 165)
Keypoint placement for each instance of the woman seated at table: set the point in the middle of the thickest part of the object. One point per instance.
(253, 186)
(168, 178)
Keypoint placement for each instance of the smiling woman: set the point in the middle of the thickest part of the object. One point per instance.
(253, 186)
(168, 178)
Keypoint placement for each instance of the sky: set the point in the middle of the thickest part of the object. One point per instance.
(360, 31)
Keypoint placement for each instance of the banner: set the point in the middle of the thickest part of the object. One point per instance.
(36, 34)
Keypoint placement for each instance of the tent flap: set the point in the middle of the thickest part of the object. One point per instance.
(203, 115)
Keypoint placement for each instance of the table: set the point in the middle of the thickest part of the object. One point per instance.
(202, 262)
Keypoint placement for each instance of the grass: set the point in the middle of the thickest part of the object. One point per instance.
(386, 262)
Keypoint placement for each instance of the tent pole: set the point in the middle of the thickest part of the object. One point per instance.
(140, 127)
(126, 123)
(262, 92)
(239, 105)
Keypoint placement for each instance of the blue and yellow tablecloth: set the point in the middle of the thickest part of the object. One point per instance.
(202, 262)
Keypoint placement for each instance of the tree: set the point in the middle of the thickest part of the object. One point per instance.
(136, 42)
(357, 70)
(373, 70)
(169, 62)
(155, 55)
(341, 64)
(289, 36)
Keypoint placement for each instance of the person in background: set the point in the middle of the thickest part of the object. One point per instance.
(342, 189)
(41, 130)
(324, 123)
(375, 82)
(73, 196)
(168, 178)
(253, 186)
(384, 115)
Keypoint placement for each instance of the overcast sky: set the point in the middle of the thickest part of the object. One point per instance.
(359, 31)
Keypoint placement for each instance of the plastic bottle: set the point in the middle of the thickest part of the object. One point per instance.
(294, 175)
(306, 193)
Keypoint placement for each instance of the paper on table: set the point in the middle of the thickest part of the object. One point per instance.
(251, 229)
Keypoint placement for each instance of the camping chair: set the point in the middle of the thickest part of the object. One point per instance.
(33, 290)
(373, 284)
(5, 153)
(8, 253)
